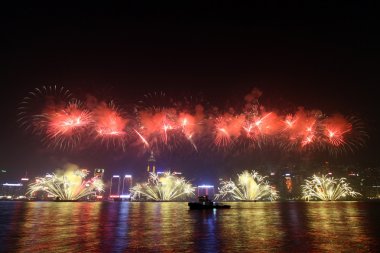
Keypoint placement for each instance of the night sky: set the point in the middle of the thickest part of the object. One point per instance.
(320, 56)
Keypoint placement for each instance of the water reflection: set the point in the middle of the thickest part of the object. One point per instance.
(259, 227)
(295, 226)
(159, 226)
(171, 227)
(59, 227)
(204, 225)
(338, 226)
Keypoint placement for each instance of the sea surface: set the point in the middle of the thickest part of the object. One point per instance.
(172, 227)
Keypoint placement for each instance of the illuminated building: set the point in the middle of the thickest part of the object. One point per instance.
(15, 190)
(126, 186)
(24, 182)
(205, 190)
(11, 191)
(99, 173)
(115, 187)
(151, 163)
(288, 183)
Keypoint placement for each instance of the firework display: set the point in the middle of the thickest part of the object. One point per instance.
(164, 187)
(38, 104)
(65, 123)
(110, 125)
(250, 186)
(327, 188)
(70, 185)
(65, 127)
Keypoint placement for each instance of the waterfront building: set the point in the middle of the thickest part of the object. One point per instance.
(24, 182)
(115, 187)
(126, 186)
(208, 190)
(11, 190)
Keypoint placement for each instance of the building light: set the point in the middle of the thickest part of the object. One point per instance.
(205, 186)
(114, 196)
(287, 174)
(6, 184)
(24, 179)
(128, 176)
(272, 173)
(115, 176)
(125, 196)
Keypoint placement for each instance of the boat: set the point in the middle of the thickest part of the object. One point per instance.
(205, 203)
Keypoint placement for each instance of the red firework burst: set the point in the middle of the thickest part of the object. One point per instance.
(110, 125)
(65, 127)
(335, 128)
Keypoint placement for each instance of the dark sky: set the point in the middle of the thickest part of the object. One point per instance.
(318, 55)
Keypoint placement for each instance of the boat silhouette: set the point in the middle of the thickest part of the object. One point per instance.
(205, 203)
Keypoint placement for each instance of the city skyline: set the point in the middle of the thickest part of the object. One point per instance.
(190, 126)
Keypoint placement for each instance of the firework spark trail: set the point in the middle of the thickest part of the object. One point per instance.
(223, 138)
(69, 186)
(192, 142)
(250, 186)
(335, 129)
(163, 188)
(142, 138)
(37, 102)
(187, 123)
(327, 188)
(49, 113)
(68, 120)
(65, 127)
(110, 126)
(227, 128)
(157, 124)
(166, 126)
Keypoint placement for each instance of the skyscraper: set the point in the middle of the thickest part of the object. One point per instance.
(115, 187)
(151, 163)
(126, 186)
(206, 190)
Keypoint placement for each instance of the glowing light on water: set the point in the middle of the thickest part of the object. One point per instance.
(249, 186)
(165, 187)
(327, 188)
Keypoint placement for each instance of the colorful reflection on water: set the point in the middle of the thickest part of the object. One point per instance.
(171, 227)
